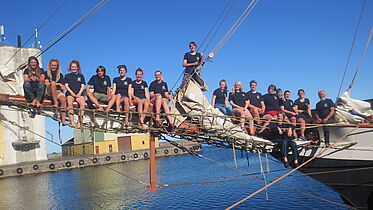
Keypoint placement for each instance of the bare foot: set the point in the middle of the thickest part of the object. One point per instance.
(118, 110)
(38, 104)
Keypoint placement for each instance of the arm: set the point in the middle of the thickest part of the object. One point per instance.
(226, 102)
(331, 113)
(263, 107)
(213, 100)
(286, 111)
(114, 89)
(41, 78)
(309, 110)
(185, 64)
(147, 93)
(152, 94)
(69, 90)
(25, 78)
(167, 95)
(46, 81)
(80, 91)
(247, 104)
(88, 88)
(297, 110)
(318, 118)
(234, 105)
(130, 92)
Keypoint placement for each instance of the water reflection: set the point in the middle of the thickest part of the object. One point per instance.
(101, 188)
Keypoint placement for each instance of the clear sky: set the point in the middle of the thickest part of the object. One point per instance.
(293, 44)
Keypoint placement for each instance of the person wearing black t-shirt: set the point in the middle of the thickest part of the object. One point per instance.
(74, 83)
(219, 98)
(55, 85)
(239, 102)
(159, 97)
(34, 86)
(141, 95)
(101, 88)
(256, 105)
(278, 130)
(191, 60)
(302, 106)
(287, 106)
(325, 113)
(122, 88)
(272, 106)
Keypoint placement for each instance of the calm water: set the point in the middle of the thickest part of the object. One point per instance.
(100, 188)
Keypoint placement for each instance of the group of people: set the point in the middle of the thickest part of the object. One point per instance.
(274, 112)
(122, 92)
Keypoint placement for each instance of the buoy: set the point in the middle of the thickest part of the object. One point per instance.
(19, 170)
(123, 157)
(68, 164)
(81, 162)
(176, 150)
(35, 167)
(166, 151)
(51, 166)
(146, 155)
(94, 160)
(135, 155)
(107, 158)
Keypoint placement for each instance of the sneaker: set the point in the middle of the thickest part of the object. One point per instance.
(286, 165)
(302, 138)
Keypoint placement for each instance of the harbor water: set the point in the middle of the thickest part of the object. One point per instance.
(194, 183)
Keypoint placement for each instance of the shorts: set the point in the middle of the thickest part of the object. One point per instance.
(68, 93)
(49, 96)
(101, 97)
(289, 116)
(273, 113)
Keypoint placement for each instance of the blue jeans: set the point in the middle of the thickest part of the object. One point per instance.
(34, 91)
(225, 110)
(284, 147)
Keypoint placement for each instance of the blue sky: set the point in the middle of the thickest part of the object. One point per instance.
(293, 44)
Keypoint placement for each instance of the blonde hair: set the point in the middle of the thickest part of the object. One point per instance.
(237, 83)
(49, 70)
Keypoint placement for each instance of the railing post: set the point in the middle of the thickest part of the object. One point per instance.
(152, 186)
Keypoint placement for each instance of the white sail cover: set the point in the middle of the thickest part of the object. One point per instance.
(350, 110)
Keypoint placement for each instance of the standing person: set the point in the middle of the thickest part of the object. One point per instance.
(141, 95)
(239, 102)
(159, 97)
(257, 106)
(191, 60)
(101, 88)
(302, 106)
(287, 106)
(272, 106)
(325, 113)
(55, 87)
(219, 98)
(74, 83)
(122, 88)
(34, 86)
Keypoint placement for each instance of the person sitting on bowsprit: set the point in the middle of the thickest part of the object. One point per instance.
(239, 102)
(272, 106)
(160, 97)
(140, 95)
(325, 113)
(219, 98)
(34, 86)
(287, 106)
(282, 134)
(101, 88)
(257, 105)
(191, 60)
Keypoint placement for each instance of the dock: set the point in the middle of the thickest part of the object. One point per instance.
(76, 162)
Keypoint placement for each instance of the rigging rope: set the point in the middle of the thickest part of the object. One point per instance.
(38, 29)
(361, 60)
(352, 47)
(292, 171)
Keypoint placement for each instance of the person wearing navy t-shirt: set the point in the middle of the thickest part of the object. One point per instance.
(101, 88)
(140, 95)
(191, 60)
(74, 83)
(256, 105)
(55, 85)
(325, 109)
(287, 106)
(302, 106)
(34, 86)
(238, 100)
(122, 88)
(159, 97)
(219, 98)
(272, 106)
